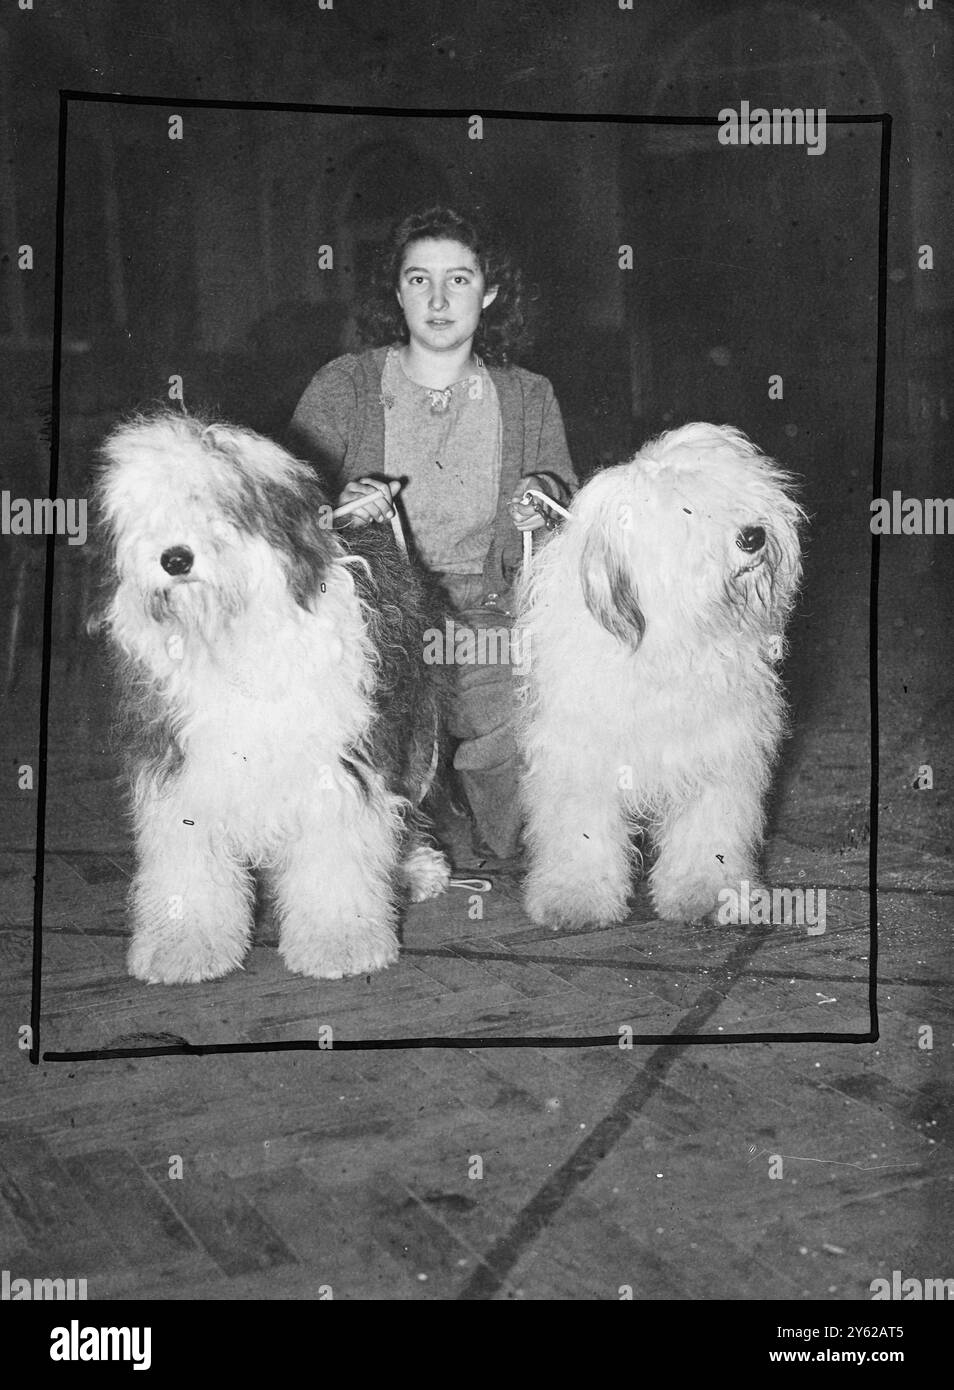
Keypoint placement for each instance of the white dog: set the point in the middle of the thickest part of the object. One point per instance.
(257, 655)
(655, 618)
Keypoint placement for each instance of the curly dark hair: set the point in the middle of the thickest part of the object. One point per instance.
(502, 331)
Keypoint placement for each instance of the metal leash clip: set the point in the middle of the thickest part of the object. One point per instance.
(543, 506)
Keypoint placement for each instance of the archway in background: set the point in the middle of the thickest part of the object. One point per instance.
(388, 180)
(774, 55)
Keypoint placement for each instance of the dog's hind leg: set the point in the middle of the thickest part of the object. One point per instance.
(191, 901)
(425, 870)
(335, 887)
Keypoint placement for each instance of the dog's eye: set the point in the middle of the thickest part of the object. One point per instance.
(750, 539)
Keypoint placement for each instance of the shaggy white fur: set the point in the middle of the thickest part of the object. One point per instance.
(250, 670)
(655, 618)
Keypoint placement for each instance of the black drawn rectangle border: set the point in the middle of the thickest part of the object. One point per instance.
(737, 957)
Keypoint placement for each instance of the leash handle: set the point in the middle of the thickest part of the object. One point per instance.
(398, 530)
(394, 518)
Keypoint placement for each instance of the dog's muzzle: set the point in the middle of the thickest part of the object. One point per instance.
(178, 559)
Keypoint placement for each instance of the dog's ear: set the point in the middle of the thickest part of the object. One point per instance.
(785, 558)
(307, 557)
(608, 587)
(299, 524)
(275, 496)
(768, 591)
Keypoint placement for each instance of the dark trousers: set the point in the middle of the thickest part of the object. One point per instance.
(484, 709)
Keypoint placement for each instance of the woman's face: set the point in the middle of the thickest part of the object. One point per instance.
(442, 292)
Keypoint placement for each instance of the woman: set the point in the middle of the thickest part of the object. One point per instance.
(440, 413)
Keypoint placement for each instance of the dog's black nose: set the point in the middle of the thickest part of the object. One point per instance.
(177, 559)
(751, 539)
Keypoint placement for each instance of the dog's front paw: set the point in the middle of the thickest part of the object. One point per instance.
(701, 919)
(186, 931)
(554, 904)
(180, 960)
(691, 911)
(334, 956)
(698, 904)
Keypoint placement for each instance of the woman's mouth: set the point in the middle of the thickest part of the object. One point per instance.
(440, 323)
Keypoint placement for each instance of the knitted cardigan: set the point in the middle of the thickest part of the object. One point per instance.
(338, 425)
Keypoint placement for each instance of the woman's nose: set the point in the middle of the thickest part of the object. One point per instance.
(438, 297)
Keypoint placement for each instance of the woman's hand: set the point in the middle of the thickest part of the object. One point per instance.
(525, 517)
(379, 505)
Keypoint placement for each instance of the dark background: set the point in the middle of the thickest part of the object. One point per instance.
(199, 257)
